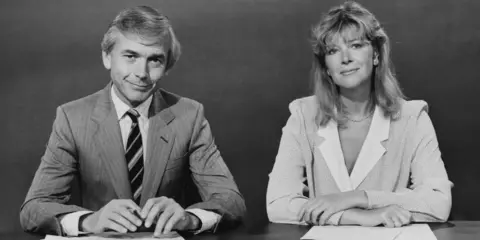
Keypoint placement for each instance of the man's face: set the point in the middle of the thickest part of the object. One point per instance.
(136, 65)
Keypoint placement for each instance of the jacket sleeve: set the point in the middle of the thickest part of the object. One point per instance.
(429, 196)
(286, 191)
(210, 174)
(50, 190)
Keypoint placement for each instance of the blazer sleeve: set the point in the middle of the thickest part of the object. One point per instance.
(429, 196)
(51, 186)
(286, 185)
(210, 174)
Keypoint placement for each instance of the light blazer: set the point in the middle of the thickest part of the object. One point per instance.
(399, 163)
(86, 142)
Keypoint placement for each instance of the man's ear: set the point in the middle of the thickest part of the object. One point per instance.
(106, 60)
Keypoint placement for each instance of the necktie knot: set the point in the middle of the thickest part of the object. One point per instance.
(133, 114)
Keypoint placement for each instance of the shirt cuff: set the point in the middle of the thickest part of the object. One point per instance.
(69, 223)
(207, 218)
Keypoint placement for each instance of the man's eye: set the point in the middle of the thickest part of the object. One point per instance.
(129, 56)
(157, 61)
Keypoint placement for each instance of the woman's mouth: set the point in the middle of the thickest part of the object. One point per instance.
(349, 71)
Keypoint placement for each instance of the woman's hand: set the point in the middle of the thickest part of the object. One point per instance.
(318, 210)
(389, 216)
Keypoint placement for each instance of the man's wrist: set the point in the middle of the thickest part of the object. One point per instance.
(195, 223)
(83, 224)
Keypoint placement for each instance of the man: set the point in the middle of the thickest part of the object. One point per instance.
(133, 146)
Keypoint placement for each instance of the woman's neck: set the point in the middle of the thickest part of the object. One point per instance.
(356, 101)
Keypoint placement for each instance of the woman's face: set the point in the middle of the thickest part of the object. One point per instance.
(349, 60)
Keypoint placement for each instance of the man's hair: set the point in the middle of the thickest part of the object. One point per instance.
(342, 21)
(147, 23)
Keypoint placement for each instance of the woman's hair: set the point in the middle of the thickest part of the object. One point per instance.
(147, 23)
(341, 21)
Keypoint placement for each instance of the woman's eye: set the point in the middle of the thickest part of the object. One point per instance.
(331, 51)
(357, 45)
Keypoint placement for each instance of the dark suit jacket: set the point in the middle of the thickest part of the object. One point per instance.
(86, 142)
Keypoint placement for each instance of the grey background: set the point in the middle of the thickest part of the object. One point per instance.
(245, 61)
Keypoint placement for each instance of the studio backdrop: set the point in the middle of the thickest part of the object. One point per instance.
(245, 61)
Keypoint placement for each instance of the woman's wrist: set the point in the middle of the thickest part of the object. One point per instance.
(352, 216)
(360, 199)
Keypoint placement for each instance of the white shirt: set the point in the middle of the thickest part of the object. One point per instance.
(69, 222)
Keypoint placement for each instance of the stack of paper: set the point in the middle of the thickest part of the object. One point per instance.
(109, 236)
(411, 232)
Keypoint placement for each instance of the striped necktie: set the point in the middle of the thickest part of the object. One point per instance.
(134, 156)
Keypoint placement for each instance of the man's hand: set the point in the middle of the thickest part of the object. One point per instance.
(318, 210)
(117, 215)
(389, 216)
(168, 215)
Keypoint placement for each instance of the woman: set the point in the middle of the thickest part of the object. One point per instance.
(357, 153)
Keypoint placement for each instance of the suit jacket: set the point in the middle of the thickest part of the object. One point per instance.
(399, 163)
(86, 142)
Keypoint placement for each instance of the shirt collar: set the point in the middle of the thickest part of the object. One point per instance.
(122, 107)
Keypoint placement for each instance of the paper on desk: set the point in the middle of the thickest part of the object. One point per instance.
(412, 232)
(108, 236)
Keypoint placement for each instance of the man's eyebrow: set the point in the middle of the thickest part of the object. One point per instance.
(128, 51)
(157, 55)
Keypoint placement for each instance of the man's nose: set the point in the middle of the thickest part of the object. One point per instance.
(141, 70)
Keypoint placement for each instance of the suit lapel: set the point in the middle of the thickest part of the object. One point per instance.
(109, 140)
(372, 149)
(160, 141)
(330, 148)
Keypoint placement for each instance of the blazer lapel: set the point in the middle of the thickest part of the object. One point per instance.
(332, 154)
(372, 149)
(109, 140)
(160, 142)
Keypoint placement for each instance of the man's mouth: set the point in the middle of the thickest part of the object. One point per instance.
(140, 85)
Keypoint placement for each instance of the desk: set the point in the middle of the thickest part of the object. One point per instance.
(455, 230)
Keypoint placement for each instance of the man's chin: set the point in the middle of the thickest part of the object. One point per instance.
(137, 99)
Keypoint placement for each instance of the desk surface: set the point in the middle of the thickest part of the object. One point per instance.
(455, 230)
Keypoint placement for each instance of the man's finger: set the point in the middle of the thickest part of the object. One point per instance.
(115, 226)
(152, 214)
(147, 208)
(162, 220)
(177, 217)
(130, 216)
(129, 203)
(122, 221)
